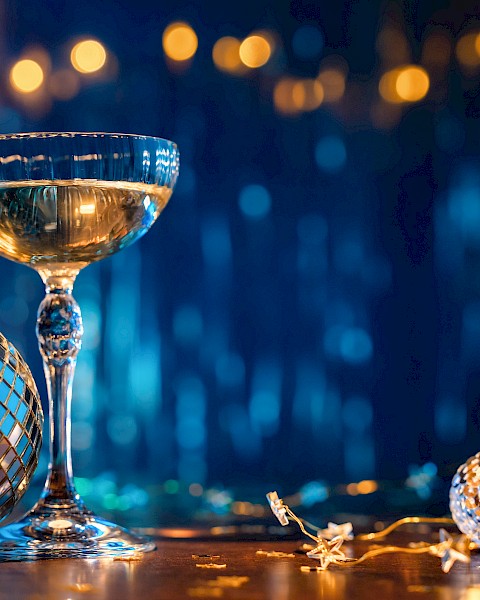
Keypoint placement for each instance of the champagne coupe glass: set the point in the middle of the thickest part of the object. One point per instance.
(66, 200)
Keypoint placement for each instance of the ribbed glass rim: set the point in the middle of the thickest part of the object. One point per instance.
(88, 134)
(54, 155)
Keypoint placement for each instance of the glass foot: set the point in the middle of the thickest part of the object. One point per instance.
(67, 534)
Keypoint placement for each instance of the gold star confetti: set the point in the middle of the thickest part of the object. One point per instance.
(211, 566)
(210, 556)
(306, 547)
(133, 557)
(275, 554)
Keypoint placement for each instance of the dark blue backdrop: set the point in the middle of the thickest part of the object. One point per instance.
(307, 307)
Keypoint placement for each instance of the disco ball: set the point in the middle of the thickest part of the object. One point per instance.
(465, 498)
(21, 422)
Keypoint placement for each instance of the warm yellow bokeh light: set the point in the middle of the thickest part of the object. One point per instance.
(388, 86)
(179, 41)
(333, 83)
(284, 99)
(405, 84)
(26, 76)
(226, 54)
(293, 96)
(467, 50)
(88, 56)
(477, 44)
(367, 486)
(412, 84)
(255, 51)
(307, 94)
(352, 489)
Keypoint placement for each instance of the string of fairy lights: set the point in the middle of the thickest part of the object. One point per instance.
(400, 81)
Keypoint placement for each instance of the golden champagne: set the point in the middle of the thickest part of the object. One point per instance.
(74, 222)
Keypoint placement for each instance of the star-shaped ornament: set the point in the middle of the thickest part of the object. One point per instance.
(328, 551)
(278, 508)
(345, 531)
(451, 549)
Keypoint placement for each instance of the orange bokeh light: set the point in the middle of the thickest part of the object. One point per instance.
(180, 41)
(226, 54)
(26, 76)
(255, 51)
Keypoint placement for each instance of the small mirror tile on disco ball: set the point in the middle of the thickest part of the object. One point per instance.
(21, 422)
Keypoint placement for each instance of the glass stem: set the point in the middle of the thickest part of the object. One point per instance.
(59, 333)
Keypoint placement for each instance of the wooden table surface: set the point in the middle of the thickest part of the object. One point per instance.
(171, 573)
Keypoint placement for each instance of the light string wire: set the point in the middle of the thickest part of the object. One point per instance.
(327, 550)
(381, 533)
(405, 521)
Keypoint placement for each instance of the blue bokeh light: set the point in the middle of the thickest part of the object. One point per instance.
(331, 154)
(254, 201)
(308, 42)
(356, 345)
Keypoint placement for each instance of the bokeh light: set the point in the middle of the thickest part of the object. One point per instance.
(254, 201)
(467, 50)
(356, 346)
(287, 98)
(255, 51)
(307, 42)
(333, 84)
(388, 86)
(179, 41)
(88, 56)
(367, 486)
(412, 84)
(226, 54)
(26, 76)
(404, 84)
(308, 94)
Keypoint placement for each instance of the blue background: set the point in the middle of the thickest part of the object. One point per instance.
(306, 312)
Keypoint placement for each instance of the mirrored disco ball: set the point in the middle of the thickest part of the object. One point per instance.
(21, 422)
(465, 498)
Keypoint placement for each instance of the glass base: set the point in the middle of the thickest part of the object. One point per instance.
(64, 533)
